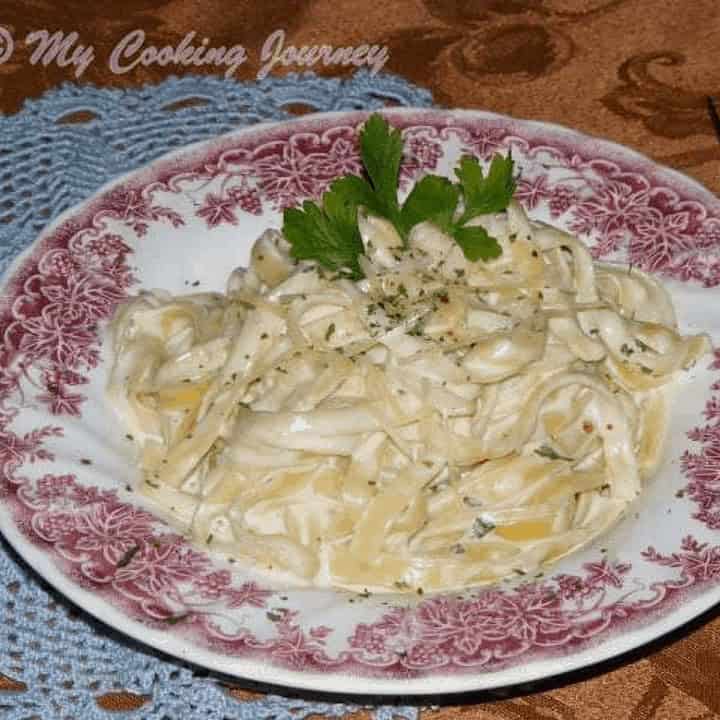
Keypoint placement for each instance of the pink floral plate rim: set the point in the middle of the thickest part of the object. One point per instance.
(127, 568)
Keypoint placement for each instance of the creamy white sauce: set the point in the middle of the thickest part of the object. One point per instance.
(438, 424)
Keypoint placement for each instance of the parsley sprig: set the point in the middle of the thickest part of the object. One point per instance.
(328, 232)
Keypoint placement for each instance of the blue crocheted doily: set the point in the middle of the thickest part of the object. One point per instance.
(54, 153)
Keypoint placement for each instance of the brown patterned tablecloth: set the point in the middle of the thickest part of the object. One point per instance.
(634, 71)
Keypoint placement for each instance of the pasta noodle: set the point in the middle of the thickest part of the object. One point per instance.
(437, 424)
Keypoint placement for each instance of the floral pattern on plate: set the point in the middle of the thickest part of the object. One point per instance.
(95, 537)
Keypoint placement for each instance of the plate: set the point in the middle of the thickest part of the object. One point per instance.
(183, 223)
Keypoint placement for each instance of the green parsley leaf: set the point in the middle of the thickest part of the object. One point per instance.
(328, 235)
(341, 212)
(485, 194)
(381, 152)
(547, 452)
(126, 559)
(476, 244)
(175, 619)
(481, 527)
(357, 191)
(471, 176)
(433, 198)
(328, 232)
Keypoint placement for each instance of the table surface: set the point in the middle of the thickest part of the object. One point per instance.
(634, 71)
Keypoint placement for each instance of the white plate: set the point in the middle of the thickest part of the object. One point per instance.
(184, 222)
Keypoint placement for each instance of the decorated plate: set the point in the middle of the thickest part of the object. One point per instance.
(181, 223)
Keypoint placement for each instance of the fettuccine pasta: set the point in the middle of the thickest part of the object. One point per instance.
(437, 424)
